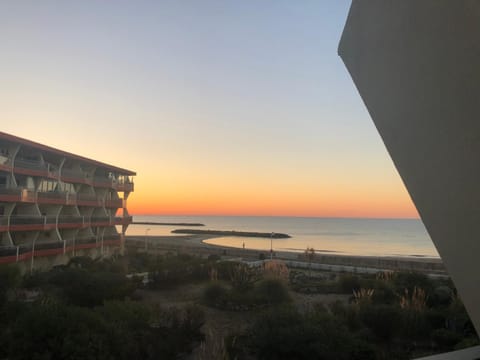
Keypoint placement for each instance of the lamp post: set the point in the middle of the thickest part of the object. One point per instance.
(271, 246)
(33, 255)
(146, 233)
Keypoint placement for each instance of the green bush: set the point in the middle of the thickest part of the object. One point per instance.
(243, 277)
(9, 279)
(410, 280)
(445, 339)
(348, 314)
(384, 293)
(383, 320)
(82, 288)
(271, 291)
(215, 294)
(283, 333)
(347, 283)
(173, 270)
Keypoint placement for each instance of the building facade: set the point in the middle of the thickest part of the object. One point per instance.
(54, 205)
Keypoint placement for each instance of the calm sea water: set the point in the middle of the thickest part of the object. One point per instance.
(375, 237)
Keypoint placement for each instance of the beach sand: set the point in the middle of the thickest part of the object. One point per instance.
(193, 244)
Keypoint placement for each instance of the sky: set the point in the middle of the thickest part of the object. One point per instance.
(221, 107)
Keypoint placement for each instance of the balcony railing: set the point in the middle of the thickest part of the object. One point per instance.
(114, 203)
(30, 167)
(48, 222)
(124, 186)
(88, 200)
(11, 254)
(52, 197)
(5, 163)
(8, 194)
(56, 197)
(103, 182)
(75, 176)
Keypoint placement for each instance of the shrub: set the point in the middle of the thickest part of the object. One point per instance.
(348, 283)
(271, 291)
(383, 320)
(410, 280)
(242, 277)
(82, 288)
(214, 294)
(283, 333)
(276, 269)
(445, 339)
(441, 297)
(384, 293)
(349, 314)
(213, 257)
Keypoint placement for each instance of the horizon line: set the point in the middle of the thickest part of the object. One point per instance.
(284, 216)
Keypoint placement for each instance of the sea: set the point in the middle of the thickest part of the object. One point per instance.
(342, 236)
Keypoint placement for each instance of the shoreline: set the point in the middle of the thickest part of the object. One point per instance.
(195, 244)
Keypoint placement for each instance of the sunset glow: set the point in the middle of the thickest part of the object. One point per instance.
(216, 117)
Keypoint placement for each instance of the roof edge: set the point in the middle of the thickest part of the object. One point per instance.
(42, 147)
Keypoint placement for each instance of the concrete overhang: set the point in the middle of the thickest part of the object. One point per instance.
(416, 64)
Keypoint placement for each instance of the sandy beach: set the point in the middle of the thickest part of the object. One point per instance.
(194, 244)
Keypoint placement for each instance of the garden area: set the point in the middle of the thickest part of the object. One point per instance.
(175, 306)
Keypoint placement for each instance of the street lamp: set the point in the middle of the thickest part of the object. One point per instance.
(271, 245)
(146, 233)
(33, 255)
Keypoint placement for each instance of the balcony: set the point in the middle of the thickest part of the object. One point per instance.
(55, 198)
(30, 167)
(3, 223)
(124, 186)
(88, 200)
(32, 223)
(103, 182)
(44, 223)
(52, 197)
(74, 176)
(114, 203)
(5, 163)
(126, 220)
(12, 254)
(10, 195)
(17, 195)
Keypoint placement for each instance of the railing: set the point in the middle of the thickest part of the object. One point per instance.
(103, 182)
(52, 197)
(8, 194)
(123, 220)
(31, 220)
(111, 237)
(114, 203)
(11, 254)
(8, 251)
(88, 200)
(47, 222)
(56, 197)
(31, 166)
(52, 171)
(70, 175)
(5, 163)
(124, 186)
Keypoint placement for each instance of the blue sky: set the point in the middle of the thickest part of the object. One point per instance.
(213, 101)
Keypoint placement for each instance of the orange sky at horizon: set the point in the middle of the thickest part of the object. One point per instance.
(201, 201)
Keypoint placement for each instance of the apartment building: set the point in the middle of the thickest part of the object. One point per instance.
(54, 204)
